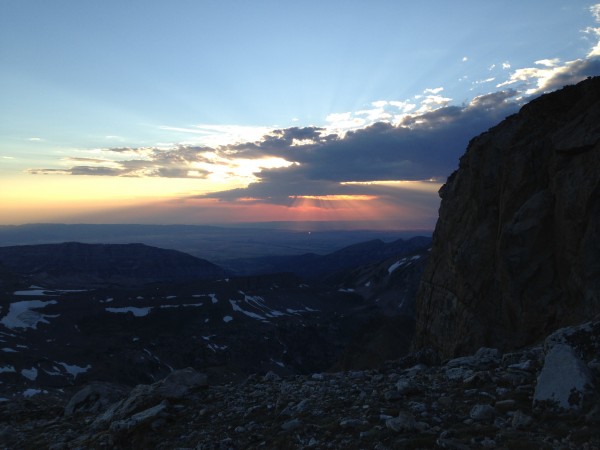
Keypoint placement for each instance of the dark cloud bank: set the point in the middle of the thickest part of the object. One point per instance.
(423, 147)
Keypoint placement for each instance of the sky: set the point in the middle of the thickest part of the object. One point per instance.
(229, 111)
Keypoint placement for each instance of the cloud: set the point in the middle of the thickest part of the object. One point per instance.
(88, 160)
(391, 152)
(594, 31)
(216, 135)
(415, 141)
(433, 91)
(552, 74)
(420, 148)
(487, 80)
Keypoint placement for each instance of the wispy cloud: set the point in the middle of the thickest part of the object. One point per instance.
(551, 74)
(594, 32)
(217, 135)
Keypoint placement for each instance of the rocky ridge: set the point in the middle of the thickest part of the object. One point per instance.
(515, 250)
(88, 265)
(523, 399)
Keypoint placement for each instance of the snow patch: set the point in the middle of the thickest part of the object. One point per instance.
(7, 369)
(31, 392)
(9, 350)
(73, 369)
(215, 347)
(181, 306)
(23, 314)
(56, 372)
(237, 308)
(108, 300)
(396, 265)
(213, 298)
(30, 374)
(259, 303)
(137, 312)
(227, 319)
(32, 292)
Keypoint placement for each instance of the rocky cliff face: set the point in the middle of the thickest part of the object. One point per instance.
(516, 250)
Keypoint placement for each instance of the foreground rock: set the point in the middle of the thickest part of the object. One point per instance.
(490, 405)
(515, 250)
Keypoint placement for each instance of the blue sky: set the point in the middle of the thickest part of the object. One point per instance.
(112, 108)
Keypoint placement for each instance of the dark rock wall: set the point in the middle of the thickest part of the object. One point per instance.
(516, 250)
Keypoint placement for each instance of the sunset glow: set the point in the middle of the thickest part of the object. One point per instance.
(268, 120)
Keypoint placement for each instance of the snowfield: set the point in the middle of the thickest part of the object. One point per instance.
(24, 315)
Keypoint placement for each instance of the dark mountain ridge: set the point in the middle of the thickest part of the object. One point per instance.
(313, 266)
(87, 265)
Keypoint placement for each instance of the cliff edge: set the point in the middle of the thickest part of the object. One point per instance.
(516, 249)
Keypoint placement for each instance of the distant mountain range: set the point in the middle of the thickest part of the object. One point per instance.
(214, 243)
(75, 264)
(71, 313)
(311, 265)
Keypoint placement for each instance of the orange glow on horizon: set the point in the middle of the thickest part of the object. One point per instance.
(336, 197)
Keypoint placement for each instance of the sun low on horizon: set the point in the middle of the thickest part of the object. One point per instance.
(228, 112)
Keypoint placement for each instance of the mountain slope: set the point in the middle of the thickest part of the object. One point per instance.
(516, 247)
(84, 265)
(312, 266)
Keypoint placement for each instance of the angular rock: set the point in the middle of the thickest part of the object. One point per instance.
(353, 423)
(291, 425)
(505, 405)
(180, 382)
(138, 399)
(94, 398)
(406, 387)
(521, 420)
(482, 412)
(458, 373)
(139, 418)
(565, 380)
(481, 357)
(404, 423)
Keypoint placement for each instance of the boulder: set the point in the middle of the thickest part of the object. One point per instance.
(94, 398)
(180, 382)
(146, 401)
(565, 381)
